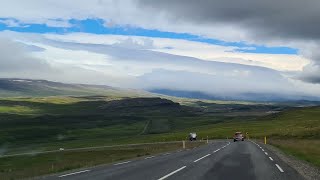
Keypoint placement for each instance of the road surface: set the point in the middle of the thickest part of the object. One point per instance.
(223, 160)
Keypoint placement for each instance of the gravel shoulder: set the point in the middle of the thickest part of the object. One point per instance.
(308, 171)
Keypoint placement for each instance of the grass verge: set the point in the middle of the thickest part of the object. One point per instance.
(36, 165)
(307, 150)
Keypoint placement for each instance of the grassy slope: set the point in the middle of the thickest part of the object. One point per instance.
(80, 121)
(305, 149)
(296, 123)
(52, 122)
(29, 124)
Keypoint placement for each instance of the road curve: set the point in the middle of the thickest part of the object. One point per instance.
(223, 160)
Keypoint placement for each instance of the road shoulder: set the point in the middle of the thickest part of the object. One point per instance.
(305, 169)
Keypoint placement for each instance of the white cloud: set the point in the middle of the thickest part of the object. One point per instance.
(247, 28)
(12, 23)
(14, 59)
(281, 62)
(120, 62)
(57, 23)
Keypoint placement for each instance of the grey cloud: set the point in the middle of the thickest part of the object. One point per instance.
(171, 71)
(143, 57)
(17, 62)
(310, 73)
(140, 68)
(219, 84)
(14, 59)
(286, 21)
(272, 18)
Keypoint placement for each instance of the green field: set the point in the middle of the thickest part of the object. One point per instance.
(305, 149)
(41, 164)
(29, 124)
(49, 123)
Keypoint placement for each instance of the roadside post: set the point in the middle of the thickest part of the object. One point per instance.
(207, 140)
(265, 140)
(183, 144)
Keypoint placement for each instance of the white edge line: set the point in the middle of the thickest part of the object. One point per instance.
(271, 158)
(280, 169)
(202, 158)
(266, 153)
(170, 174)
(216, 151)
(122, 163)
(149, 157)
(74, 173)
(262, 149)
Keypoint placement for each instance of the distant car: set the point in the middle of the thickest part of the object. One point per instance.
(238, 136)
(192, 136)
(61, 149)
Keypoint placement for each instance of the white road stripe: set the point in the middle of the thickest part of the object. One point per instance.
(271, 158)
(74, 173)
(262, 149)
(216, 150)
(202, 158)
(149, 157)
(170, 174)
(122, 163)
(280, 169)
(266, 153)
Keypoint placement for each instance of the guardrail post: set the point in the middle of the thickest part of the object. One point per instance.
(265, 140)
(183, 144)
(207, 140)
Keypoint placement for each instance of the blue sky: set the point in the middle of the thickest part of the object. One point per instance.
(96, 26)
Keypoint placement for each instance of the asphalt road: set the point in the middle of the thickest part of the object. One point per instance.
(223, 160)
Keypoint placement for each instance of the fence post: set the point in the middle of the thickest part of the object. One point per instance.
(183, 144)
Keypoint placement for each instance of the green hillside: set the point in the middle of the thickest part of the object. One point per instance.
(41, 88)
(49, 123)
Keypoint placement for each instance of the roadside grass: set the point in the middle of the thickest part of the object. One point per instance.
(82, 124)
(50, 123)
(300, 123)
(40, 164)
(307, 150)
